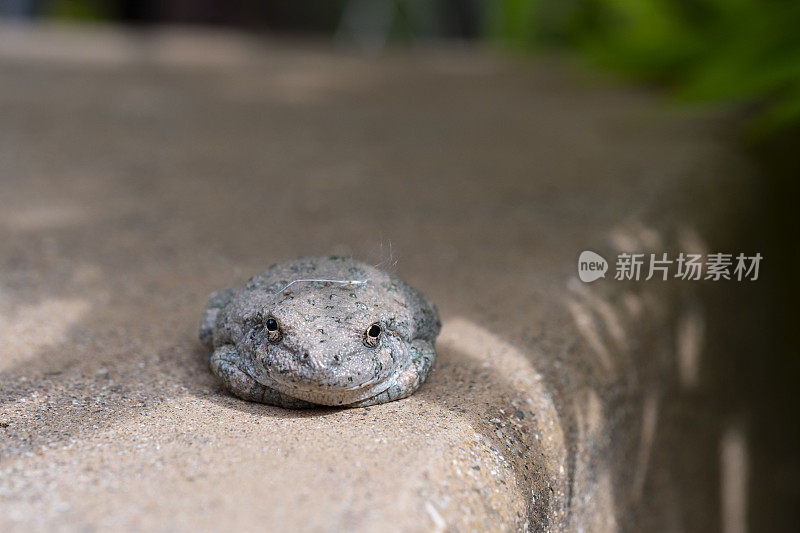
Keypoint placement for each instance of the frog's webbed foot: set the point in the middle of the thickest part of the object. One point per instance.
(410, 379)
(225, 363)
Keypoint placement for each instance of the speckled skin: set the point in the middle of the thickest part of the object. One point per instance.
(321, 357)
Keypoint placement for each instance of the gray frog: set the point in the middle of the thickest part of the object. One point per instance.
(321, 331)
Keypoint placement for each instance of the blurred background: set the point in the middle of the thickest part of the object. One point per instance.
(738, 51)
(741, 57)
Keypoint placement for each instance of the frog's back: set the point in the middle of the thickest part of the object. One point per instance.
(334, 268)
(284, 277)
(341, 269)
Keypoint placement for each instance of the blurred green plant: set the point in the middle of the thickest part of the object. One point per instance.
(79, 10)
(740, 51)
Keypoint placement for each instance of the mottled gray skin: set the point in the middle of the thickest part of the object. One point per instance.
(321, 358)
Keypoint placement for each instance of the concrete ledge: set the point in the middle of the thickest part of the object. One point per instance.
(135, 187)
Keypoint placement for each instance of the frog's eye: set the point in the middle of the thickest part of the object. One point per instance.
(372, 335)
(273, 330)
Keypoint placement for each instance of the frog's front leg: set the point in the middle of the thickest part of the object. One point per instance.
(410, 379)
(227, 364)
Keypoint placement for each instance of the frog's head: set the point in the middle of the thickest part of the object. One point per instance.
(330, 344)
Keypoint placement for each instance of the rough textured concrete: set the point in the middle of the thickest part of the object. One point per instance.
(140, 173)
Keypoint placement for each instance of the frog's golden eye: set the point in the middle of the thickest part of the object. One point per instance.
(372, 335)
(273, 330)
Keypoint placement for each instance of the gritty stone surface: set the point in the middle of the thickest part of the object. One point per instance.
(321, 331)
(142, 172)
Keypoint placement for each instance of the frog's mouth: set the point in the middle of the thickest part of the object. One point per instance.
(325, 394)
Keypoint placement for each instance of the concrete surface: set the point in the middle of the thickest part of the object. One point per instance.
(141, 172)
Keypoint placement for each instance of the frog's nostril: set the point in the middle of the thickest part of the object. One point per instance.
(337, 358)
(305, 356)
